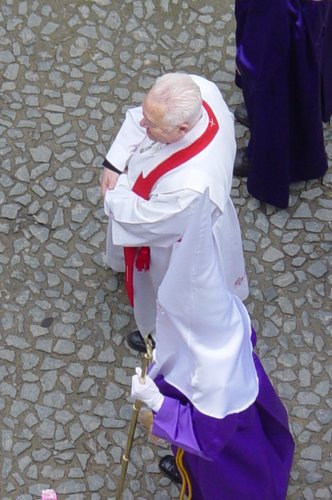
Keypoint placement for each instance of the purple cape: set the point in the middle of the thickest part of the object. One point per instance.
(285, 60)
(244, 455)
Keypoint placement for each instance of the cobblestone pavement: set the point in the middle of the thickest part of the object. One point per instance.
(69, 71)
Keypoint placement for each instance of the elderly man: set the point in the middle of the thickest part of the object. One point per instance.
(169, 151)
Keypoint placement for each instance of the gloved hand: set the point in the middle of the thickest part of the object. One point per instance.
(148, 392)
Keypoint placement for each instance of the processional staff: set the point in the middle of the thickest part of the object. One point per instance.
(136, 409)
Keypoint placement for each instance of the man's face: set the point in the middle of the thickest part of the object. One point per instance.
(153, 122)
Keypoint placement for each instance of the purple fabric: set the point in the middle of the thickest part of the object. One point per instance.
(246, 455)
(319, 17)
(285, 59)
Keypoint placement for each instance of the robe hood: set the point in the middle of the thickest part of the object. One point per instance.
(203, 330)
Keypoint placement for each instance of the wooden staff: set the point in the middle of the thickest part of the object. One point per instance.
(136, 409)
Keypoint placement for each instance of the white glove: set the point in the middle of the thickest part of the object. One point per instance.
(148, 392)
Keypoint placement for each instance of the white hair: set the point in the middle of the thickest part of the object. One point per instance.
(181, 96)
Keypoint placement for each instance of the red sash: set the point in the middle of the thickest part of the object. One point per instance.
(143, 187)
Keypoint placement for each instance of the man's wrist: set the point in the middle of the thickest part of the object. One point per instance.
(109, 166)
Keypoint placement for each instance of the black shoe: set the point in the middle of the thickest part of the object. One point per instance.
(136, 341)
(241, 115)
(168, 466)
(241, 163)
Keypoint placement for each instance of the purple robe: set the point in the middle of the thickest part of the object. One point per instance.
(284, 58)
(244, 455)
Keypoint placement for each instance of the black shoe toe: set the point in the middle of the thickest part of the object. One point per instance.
(241, 114)
(136, 341)
(168, 466)
(241, 163)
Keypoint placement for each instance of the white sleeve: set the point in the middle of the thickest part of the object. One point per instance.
(159, 221)
(128, 138)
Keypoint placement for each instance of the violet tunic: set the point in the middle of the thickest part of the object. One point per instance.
(245, 455)
(285, 60)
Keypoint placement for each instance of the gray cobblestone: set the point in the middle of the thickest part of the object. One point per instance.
(69, 74)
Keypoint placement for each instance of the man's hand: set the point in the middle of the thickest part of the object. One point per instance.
(108, 179)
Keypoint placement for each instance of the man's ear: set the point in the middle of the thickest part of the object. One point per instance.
(184, 127)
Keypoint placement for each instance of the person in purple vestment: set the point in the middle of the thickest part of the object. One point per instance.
(209, 393)
(284, 63)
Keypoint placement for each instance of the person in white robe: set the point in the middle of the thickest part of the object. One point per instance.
(210, 396)
(172, 117)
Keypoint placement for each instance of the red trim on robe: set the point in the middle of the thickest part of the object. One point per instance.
(143, 187)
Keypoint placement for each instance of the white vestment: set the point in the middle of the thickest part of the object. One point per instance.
(160, 222)
(203, 347)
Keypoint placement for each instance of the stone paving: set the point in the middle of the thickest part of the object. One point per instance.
(69, 71)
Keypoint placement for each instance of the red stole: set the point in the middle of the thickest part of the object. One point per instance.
(143, 187)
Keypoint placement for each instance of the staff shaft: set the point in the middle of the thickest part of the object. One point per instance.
(131, 432)
(125, 457)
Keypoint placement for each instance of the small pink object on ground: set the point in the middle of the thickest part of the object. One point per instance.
(48, 495)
